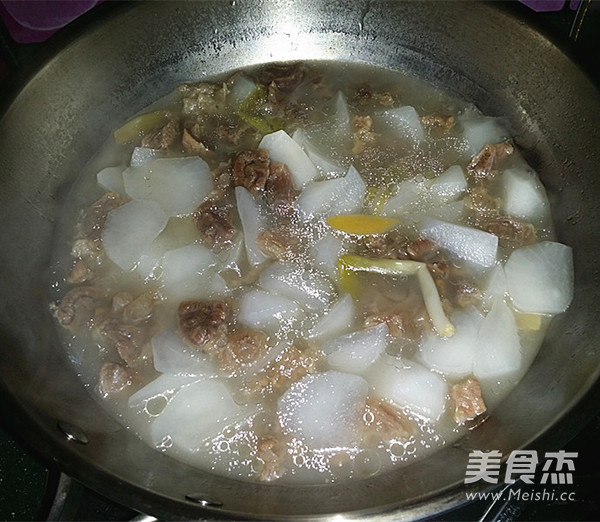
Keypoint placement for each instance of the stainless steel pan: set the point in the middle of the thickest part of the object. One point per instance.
(122, 63)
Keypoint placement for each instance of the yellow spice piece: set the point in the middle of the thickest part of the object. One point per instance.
(140, 124)
(362, 224)
(528, 321)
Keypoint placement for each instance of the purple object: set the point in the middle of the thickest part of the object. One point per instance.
(31, 21)
(542, 6)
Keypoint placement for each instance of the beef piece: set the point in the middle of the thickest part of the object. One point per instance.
(222, 177)
(363, 136)
(86, 249)
(482, 205)
(384, 422)
(285, 77)
(113, 378)
(408, 322)
(201, 321)
(94, 217)
(423, 249)
(231, 133)
(203, 98)
(80, 272)
(280, 189)
(77, 307)
(163, 138)
(251, 170)
(468, 402)
(240, 350)
(395, 322)
(511, 232)
(214, 221)
(139, 309)
(270, 451)
(365, 96)
(279, 244)
(128, 339)
(484, 164)
(288, 367)
(119, 301)
(391, 245)
(194, 146)
(439, 124)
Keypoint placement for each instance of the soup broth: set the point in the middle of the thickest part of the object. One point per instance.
(306, 272)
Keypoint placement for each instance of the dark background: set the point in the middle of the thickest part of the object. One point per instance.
(28, 483)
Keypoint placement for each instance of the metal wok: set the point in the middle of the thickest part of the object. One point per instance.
(54, 124)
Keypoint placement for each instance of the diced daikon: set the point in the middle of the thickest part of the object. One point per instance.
(540, 277)
(308, 288)
(470, 244)
(481, 130)
(186, 272)
(283, 149)
(524, 195)
(325, 253)
(179, 185)
(130, 229)
(338, 320)
(266, 311)
(111, 178)
(253, 223)
(241, 87)
(143, 155)
(324, 409)
(404, 121)
(449, 185)
(408, 198)
(171, 355)
(411, 385)
(196, 412)
(355, 352)
(453, 356)
(495, 285)
(498, 352)
(163, 386)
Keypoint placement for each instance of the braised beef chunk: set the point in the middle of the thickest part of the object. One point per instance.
(363, 136)
(128, 339)
(113, 378)
(280, 189)
(482, 204)
(214, 221)
(270, 452)
(251, 170)
(77, 307)
(468, 402)
(80, 272)
(193, 145)
(223, 177)
(511, 232)
(200, 321)
(440, 123)
(391, 245)
(92, 224)
(240, 349)
(366, 96)
(485, 163)
(383, 421)
(278, 244)
(163, 138)
(139, 309)
(203, 98)
(285, 77)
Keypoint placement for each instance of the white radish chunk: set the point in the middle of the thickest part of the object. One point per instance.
(253, 224)
(524, 195)
(540, 278)
(495, 286)
(408, 198)
(339, 320)
(355, 352)
(163, 386)
(143, 155)
(327, 167)
(186, 272)
(179, 185)
(130, 230)
(404, 121)
(111, 178)
(449, 185)
(470, 244)
(197, 412)
(172, 355)
(283, 149)
(451, 212)
(498, 351)
(482, 130)
(241, 87)
(266, 311)
(324, 409)
(453, 356)
(411, 385)
(325, 253)
(308, 288)
(334, 196)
